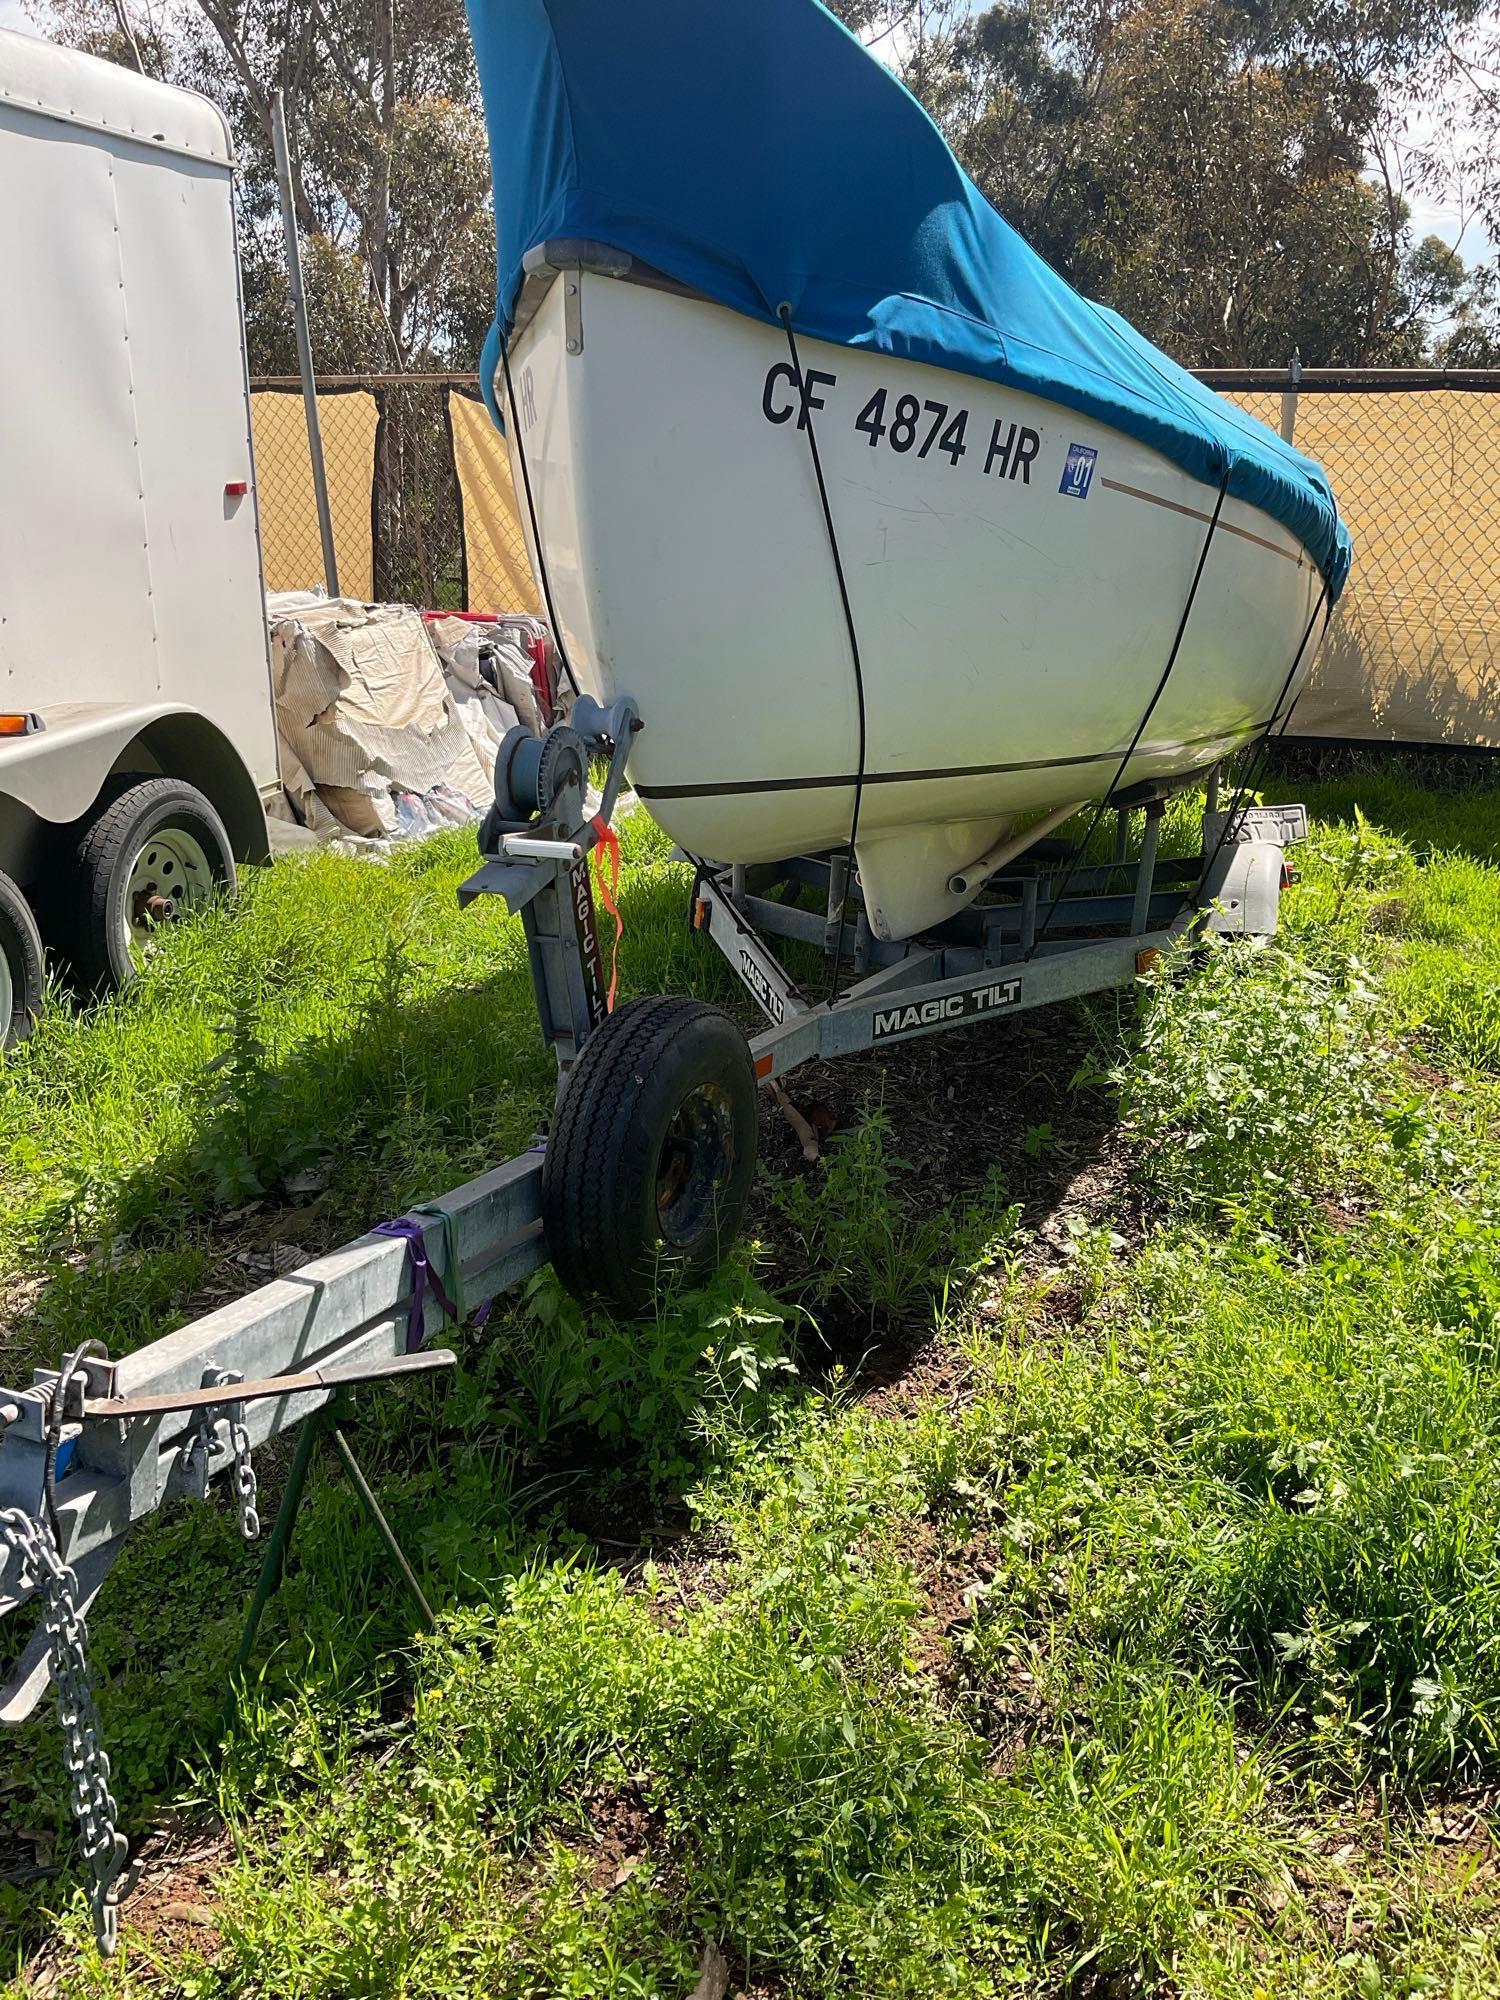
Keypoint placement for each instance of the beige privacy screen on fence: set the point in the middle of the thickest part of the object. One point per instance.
(288, 511)
(1413, 652)
(496, 564)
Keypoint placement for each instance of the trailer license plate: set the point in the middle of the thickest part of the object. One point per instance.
(1282, 824)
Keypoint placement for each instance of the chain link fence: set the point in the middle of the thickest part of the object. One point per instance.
(424, 513)
(419, 493)
(349, 419)
(1413, 652)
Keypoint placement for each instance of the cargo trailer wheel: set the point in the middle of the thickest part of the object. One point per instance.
(648, 1167)
(155, 851)
(20, 965)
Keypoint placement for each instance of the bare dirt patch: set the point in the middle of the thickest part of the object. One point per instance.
(171, 1901)
(174, 1903)
(625, 1833)
(993, 1095)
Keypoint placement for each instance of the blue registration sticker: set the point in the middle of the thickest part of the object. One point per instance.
(1078, 473)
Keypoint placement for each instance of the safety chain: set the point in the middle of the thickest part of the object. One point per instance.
(244, 1471)
(244, 1479)
(103, 1845)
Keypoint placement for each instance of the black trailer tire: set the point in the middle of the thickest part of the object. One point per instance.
(648, 1167)
(22, 976)
(157, 846)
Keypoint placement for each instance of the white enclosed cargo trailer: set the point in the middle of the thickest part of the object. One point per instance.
(137, 733)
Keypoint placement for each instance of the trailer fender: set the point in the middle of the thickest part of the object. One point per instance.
(57, 776)
(1242, 890)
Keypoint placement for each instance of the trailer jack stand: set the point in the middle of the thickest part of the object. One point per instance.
(326, 1423)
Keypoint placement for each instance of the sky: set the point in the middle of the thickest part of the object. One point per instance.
(1433, 215)
(1430, 214)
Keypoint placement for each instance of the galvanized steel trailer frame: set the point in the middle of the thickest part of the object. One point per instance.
(1006, 957)
(75, 1478)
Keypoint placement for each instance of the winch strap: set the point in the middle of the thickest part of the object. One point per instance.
(609, 892)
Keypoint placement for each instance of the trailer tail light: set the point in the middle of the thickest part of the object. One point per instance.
(1144, 960)
(236, 489)
(15, 723)
(700, 914)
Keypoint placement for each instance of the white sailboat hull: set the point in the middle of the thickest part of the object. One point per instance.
(1016, 577)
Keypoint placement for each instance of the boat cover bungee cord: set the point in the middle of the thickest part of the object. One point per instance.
(755, 152)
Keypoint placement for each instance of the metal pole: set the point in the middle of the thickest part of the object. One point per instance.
(1145, 881)
(372, 1507)
(281, 1535)
(304, 343)
(1289, 396)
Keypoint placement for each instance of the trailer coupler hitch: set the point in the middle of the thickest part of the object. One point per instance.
(33, 1563)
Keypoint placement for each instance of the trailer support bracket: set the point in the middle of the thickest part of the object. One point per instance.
(325, 1423)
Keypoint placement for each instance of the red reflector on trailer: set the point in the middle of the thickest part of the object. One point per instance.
(236, 489)
(1144, 960)
(763, 1067)
(700, 914)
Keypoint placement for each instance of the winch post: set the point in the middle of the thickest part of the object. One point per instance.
(537, 845)
(567, 973)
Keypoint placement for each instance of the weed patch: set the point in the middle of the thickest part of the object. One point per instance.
(1253, 1079)
(858, 1243)
(657, 1393)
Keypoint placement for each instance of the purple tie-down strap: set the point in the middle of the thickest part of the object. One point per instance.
(411, 1232)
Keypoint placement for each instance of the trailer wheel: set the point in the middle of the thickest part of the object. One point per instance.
(649, 1165)
(21, 974)
(155, 850)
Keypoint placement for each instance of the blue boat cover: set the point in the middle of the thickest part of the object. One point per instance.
(755, 151)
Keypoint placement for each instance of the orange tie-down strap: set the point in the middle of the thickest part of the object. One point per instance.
(609, 890)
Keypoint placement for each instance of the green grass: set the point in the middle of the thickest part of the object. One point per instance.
(1146, 1639)
(347, 1020)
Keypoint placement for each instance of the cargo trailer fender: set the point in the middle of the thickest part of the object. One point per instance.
(56, 775)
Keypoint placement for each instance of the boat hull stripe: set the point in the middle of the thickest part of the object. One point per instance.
(745, 787)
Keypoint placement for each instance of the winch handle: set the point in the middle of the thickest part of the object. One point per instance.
(527, 847)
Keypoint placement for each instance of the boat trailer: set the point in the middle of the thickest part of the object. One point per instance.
(642, 1178)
